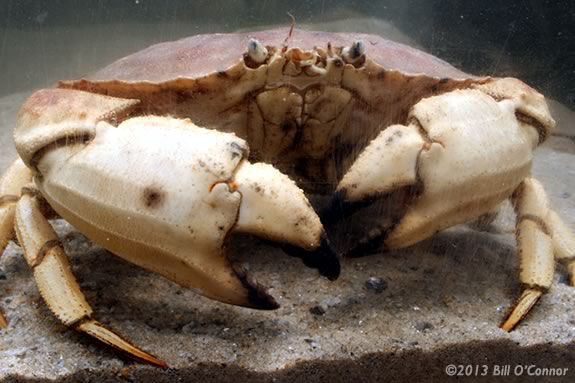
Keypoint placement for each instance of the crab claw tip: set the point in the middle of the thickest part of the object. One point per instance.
(323, 258)
(258, 297)
(334, 211)
(341, 206)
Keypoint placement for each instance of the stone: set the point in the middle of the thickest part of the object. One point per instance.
(376, 284)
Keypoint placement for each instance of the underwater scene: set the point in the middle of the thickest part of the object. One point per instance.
(287, 190)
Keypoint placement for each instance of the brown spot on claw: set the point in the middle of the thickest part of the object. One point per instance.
(153, 197)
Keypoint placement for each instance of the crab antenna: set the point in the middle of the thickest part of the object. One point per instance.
(257, 51)
(285, 43)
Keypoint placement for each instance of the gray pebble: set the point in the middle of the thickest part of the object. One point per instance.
(317, 310)
(376, 284)
(423, 326)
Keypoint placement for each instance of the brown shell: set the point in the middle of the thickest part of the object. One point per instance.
(202, 55)
(298, 122)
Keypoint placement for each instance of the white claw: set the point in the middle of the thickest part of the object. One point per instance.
(353, 53)
(274, 207)
(257, 52)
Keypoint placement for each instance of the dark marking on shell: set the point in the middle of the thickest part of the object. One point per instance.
(238, 150)
(437, 86)
(153, 197)
(181, 96)
(539, 127)
(396, 134)
(222, 74)
(201, 88)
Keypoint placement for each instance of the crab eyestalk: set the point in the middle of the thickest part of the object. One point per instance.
(354, 53)
(257, 53)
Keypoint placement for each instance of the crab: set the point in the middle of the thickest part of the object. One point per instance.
(162, 155)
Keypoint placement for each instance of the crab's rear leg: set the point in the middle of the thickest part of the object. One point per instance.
(54, 278)
(11, 182)
(535, 248)
(540, 233)
(563, 243)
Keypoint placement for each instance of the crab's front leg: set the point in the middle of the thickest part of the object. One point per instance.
(465, 152)
(16, 177)
(54, 278)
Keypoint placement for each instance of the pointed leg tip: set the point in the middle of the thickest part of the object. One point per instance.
(156, 362)
(507, 325)
(523, 306)
(98, 331)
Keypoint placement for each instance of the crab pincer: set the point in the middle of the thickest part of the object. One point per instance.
(159, 192)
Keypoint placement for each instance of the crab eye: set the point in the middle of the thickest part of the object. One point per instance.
(355, 53)
(257, 53)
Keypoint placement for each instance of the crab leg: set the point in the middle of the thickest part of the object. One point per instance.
(563, 242)
(11, 182)
(53, 275)
(535, 246)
